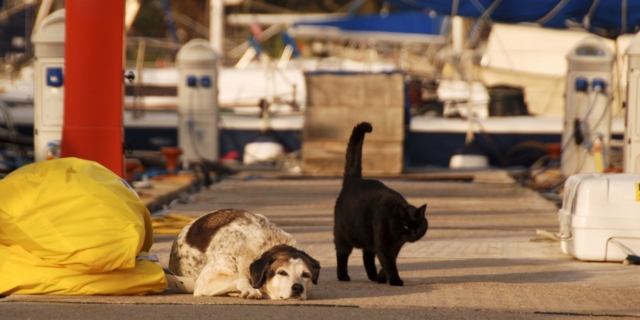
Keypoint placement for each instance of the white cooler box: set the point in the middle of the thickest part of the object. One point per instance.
(600, 216)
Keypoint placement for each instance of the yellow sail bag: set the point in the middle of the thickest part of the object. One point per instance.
(71, 226)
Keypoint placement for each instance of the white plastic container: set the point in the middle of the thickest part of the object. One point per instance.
(261, 151)
(600, 216)
(468, 161)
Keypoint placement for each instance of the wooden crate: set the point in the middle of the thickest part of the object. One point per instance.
(357, 90)
(328, 157)
(336, 123)
(338, 102)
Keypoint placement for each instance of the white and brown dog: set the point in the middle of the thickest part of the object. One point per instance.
(234, 252)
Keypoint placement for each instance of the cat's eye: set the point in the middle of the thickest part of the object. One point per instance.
(406, 227)
(306, 275)
(282, 273)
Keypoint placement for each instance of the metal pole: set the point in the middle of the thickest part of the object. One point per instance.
(94, 67)
(216, 26)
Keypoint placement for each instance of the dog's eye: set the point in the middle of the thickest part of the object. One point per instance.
(282, 273)
(306, 275)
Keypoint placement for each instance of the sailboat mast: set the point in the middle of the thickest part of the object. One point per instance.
(216, 26)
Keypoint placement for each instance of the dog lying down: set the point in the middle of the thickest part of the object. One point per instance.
(237, 253)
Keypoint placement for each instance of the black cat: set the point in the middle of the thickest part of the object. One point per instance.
(373, 217)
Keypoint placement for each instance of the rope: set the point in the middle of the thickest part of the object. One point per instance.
(454, 7)
(553, 12)
(586, 22)
(623, 12)
(491, 9)
(169, 223)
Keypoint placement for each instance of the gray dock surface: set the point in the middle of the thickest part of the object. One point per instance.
(480, 259)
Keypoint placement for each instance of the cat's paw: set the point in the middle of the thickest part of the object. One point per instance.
(382, 278)
(396, 282)
(344, 277)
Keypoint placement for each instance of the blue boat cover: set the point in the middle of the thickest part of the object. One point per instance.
(620, 15)
(414, 21)
(610, 17)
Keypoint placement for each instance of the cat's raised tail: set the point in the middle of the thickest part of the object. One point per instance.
(353, 166)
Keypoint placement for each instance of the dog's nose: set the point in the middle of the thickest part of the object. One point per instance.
(297, 289)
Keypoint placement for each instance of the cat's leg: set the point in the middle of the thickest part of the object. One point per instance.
(387, 256)
(382, 276)
(369, 260)
(343, 250)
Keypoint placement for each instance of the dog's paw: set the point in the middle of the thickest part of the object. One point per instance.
(251, 293)
(344, 277)
(396, 282)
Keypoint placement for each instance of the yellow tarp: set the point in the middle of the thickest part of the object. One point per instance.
(71, 226)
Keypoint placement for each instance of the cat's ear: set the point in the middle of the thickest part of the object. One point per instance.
(422, 210)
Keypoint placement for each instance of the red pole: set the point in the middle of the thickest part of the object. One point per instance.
(93, 98)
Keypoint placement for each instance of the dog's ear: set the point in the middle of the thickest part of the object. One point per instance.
(258, 271)
(315, 271)
(315, 268)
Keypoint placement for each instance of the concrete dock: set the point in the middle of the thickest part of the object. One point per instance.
(480, 259)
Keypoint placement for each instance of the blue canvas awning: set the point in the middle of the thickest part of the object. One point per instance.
(622, 16)
(423, 20)
(415, 26)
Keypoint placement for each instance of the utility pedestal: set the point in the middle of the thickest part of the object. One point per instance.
(587, 120)
(631, 159)
(48, 40)
(198, 101)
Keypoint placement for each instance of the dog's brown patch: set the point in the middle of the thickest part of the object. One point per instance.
(204, 229)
